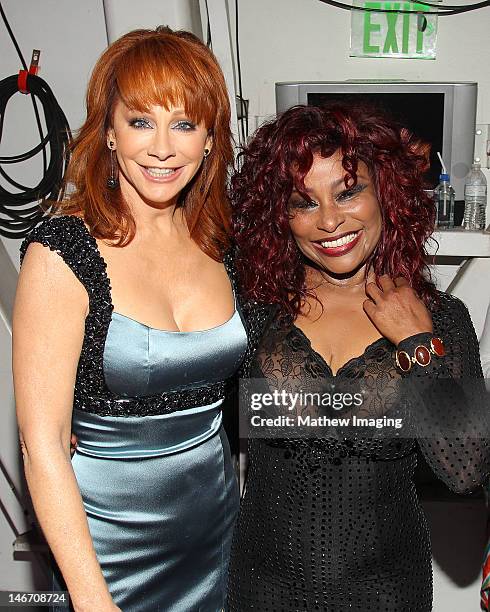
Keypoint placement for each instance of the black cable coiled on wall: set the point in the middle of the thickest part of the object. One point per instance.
(17, 219)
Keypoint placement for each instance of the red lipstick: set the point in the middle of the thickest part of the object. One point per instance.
(338, 251)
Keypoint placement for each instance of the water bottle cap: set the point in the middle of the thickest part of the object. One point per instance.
(444, 177)
(476, 165)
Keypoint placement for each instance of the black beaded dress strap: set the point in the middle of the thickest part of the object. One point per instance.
(70, 238)
(256, 316)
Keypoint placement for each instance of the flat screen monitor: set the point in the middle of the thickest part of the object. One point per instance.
(443, 114)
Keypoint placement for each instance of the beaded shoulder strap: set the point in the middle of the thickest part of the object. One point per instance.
(254, 315)
(69, 237)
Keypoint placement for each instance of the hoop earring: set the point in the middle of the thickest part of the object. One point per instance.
(112, 182)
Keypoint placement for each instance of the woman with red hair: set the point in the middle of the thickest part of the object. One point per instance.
(127, 329)
(331, 219)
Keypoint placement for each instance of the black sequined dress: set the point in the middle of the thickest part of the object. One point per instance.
(333, 522)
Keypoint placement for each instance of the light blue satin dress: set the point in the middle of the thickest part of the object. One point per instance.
(160, 492)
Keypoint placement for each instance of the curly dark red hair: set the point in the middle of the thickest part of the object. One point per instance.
(269, 263)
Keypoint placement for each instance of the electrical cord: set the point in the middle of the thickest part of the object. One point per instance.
(24, 65)
(209, 41)
(456, 7)
(243, 109)
(17, 219)
(442, 11)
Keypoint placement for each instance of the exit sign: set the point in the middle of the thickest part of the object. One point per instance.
(405, 35)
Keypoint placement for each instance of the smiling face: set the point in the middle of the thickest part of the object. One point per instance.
(158, 152)
(338, 228)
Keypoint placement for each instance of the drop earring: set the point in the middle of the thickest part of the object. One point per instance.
(204, 171)
(112, 181)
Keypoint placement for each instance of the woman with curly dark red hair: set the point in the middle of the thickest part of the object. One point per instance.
(331, 220)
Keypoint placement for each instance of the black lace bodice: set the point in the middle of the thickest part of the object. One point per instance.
(331, 521)
(69, 237)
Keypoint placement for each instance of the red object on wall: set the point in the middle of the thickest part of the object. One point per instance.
(33, 69)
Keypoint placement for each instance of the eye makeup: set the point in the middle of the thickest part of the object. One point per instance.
(299, 203)
(347, 194)
(184, 125)
(139, 122)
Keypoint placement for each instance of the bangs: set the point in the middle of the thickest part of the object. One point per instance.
(302, 150)
(302, 153)
(166, 73)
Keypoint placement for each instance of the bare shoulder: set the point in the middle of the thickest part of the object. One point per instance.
(45, 278)
(47, 333)
(47, 336)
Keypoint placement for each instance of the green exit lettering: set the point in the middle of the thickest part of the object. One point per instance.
(386, 25)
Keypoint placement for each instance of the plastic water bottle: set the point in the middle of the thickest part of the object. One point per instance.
(444, 201)
(475, 199)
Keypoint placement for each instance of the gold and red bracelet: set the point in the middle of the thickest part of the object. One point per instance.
(422, 355)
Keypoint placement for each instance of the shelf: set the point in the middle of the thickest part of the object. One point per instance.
(30, 541)
(458, 242)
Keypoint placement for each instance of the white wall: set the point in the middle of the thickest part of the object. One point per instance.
(289, 40)
(71, 35)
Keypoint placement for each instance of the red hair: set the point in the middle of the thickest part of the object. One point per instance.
(269, 262)
(145, 68)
